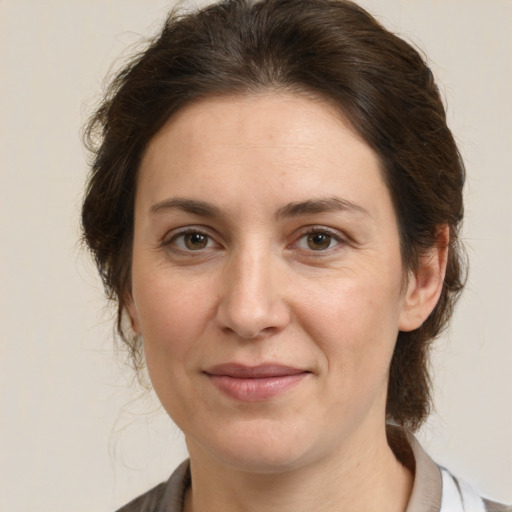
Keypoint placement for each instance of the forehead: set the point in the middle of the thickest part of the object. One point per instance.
(280, 144)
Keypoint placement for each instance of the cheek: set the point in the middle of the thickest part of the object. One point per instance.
(173, 315)
(171, 312)
(354, 320)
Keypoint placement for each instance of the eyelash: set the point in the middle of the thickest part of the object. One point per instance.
(333, 236)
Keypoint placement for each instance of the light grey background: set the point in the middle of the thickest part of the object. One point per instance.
(75, 435)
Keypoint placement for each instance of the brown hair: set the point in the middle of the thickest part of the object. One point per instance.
(332, 49)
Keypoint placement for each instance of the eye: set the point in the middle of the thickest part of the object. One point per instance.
(318, 240)
(191, 241)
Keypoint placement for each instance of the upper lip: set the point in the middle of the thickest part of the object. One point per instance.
(240, 371)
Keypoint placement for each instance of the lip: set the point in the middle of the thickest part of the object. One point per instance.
(254, 383)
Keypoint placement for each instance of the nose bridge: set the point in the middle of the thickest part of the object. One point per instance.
(252, 303)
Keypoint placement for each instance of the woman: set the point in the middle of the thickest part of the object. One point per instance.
(275, 204)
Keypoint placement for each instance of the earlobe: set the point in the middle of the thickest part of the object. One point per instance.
(425, 284)
(132, 317)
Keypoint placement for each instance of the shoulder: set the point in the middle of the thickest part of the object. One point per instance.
(435, 489)
(167, 496)
(147, 502)
(460, 495)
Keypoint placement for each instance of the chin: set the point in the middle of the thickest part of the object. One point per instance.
(262, 460)
(256, 448)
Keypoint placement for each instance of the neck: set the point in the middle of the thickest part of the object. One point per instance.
(346, 480)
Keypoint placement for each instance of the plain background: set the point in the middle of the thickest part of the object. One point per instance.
(75, 434)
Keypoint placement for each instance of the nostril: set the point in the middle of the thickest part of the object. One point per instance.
(248, 334)
(255, 323)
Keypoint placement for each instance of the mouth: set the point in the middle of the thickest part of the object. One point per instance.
(255, 383)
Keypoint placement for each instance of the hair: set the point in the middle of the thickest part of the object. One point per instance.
(333, 50)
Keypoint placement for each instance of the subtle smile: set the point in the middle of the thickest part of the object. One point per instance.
(254, 383)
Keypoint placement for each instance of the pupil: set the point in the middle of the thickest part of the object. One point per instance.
(318, 241)
(195, 241)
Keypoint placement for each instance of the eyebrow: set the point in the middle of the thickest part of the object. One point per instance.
(295, 209)
(201, 208)
(326, 205)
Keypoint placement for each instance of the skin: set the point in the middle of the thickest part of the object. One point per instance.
(290, 256)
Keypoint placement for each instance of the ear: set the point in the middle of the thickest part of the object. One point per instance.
(426, 283)
(131, 313)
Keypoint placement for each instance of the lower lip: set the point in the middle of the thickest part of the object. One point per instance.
(256, 390)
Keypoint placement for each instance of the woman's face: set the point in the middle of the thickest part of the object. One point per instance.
(267, 280)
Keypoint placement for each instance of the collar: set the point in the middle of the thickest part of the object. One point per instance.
(425, 496)
(427, 489)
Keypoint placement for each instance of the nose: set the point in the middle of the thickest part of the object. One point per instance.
(252, 303)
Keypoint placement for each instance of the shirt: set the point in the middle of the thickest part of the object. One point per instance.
(435, 489)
